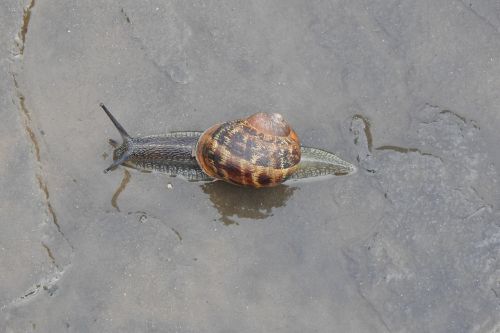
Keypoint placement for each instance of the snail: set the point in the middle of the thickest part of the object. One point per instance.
(259, 151)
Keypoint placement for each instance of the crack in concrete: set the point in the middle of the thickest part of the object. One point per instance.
(406, 150)
(451, 115)
(367, 130)
(177, 234)
(43, 186)
(31, 292)
(47, 282)
(28, 127)
(27, 119)
(127, 18)
(23, 32)
(479, 16)
(120, 189)
(50, 254)
(462, 118)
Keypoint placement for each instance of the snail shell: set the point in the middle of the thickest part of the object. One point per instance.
(259, 151)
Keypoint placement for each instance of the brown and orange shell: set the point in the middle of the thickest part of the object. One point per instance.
(260, 151)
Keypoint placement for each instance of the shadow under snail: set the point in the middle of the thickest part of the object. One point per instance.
(259, 151)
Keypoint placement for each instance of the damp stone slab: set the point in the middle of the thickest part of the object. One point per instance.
(405, 90)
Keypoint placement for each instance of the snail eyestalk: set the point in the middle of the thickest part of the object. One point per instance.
(113, 143)
(119, 127)
(116, 163)
(124, 156)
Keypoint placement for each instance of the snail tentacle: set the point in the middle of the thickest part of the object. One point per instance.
(117, 162)
(118, 126)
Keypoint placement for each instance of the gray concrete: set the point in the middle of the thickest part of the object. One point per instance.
(408, 90)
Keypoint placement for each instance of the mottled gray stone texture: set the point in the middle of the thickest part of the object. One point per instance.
(408, 90)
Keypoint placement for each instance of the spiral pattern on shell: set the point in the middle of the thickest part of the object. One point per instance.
(260, 151)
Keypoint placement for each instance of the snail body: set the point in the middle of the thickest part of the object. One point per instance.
(259, 151)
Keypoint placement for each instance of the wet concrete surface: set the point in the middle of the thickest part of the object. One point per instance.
(406, 90)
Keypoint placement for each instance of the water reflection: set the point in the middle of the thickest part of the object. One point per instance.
(233, 201)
